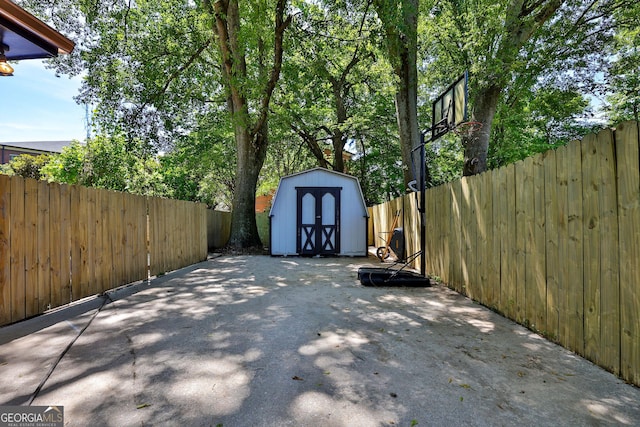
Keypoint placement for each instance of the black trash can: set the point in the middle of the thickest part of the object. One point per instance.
(397, 243)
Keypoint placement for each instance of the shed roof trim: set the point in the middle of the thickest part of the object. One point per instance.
(317, 168)
(15, 16)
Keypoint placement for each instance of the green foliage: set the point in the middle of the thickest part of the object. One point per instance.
(27, 165)
(286, 155)
(201, 165)
(150, 72)
(379, 171)
(624, 70)
(536, 121)
(444, 159)
(106, 162)
(378, 161)
(103, 163)
(147, 177)
(327, 79)
(67, 167)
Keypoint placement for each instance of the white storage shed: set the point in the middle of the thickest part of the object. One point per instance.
(318, 212)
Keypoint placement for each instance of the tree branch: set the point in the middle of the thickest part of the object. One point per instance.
(313, 145)
(174, 76)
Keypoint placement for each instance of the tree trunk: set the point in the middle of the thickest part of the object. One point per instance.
(244, 230)
(338, 150)
(400, 22)
(476, 143)
(337, 138)
(407, 116)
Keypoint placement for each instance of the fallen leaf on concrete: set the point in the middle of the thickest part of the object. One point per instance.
(143, 405)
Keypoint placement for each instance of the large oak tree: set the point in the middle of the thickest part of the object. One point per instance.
(249, 86)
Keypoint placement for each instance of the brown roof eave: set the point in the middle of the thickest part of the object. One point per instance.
(24, 19)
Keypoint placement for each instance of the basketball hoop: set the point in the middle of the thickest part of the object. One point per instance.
(467, 128)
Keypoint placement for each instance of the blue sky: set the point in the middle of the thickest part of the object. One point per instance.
(35, 105)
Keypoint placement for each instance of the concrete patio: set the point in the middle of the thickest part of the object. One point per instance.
(261, 341)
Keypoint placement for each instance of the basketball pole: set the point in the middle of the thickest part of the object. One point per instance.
(421, 198)
(422, 208)
(423, 201)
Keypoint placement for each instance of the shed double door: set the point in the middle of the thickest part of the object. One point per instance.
(318, 220)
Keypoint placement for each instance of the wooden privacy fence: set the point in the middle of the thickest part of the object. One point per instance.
(60, 243)
(218, 228)
(552, 242)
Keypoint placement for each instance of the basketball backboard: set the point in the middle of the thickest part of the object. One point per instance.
(450, 108)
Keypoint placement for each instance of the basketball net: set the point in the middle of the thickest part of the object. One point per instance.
(467, 128)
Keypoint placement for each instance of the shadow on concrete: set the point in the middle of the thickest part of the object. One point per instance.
(253, 340)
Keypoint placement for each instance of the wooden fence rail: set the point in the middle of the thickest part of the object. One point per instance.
(552, 242)
(60, 243)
